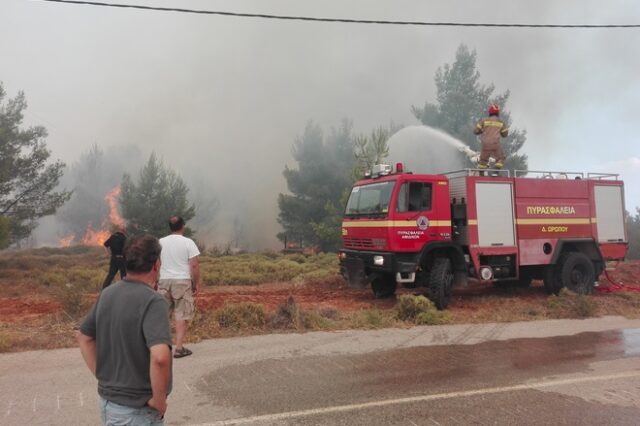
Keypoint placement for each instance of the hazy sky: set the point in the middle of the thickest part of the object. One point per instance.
(225, 97)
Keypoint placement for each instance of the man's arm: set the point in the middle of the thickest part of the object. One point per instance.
(88, 349)
(160, 372)
(194, 266)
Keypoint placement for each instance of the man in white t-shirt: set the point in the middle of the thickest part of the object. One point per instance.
(179, 279)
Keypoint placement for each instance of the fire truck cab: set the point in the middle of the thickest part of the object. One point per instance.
(439, 231)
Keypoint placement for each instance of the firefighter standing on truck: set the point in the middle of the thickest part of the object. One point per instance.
(491, 129)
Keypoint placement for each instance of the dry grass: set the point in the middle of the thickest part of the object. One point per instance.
(69, 279)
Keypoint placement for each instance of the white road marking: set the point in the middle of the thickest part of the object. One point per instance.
(81, 399)
(204, 381)
(35, 398)
(58, 397)
(410, 421)
(187, 386)
(9, 409)
(422, 398)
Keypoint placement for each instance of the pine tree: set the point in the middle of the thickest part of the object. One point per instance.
(159, 194)
(27, 180)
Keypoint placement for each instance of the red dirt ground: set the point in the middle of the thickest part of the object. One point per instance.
(332, 294)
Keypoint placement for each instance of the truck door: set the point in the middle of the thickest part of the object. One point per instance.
(414, 214)
(494, 201)
(609, 213)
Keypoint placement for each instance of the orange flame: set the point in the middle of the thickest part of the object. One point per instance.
(112, 199)
(66, 241)
(96, 237)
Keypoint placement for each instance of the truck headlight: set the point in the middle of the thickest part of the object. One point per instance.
(378, 260)
(486, 273)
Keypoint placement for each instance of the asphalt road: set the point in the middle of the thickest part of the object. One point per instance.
(559, 372)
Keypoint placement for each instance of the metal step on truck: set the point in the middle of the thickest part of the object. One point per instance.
(440, 231)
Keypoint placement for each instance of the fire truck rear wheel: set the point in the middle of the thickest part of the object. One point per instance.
(441, 282)
(383, 285)
(576, 273)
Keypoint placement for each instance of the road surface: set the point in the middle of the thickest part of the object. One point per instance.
(561, 372)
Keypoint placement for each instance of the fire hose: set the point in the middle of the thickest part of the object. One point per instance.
(614, 286)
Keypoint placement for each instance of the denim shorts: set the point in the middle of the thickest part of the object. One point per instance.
(113, 414)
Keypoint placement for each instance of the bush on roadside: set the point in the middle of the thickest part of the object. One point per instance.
(291, 316)
(432, 317)
(371, 318)
(241, 315)
(420, 310)
(71, 298)
(570, 304)
(288, 315)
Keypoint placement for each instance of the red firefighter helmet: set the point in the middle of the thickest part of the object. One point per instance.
(494, 109)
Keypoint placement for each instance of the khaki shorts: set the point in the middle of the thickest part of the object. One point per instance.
(179, 295)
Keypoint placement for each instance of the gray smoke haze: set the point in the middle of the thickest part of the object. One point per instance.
(425, 150)
(222, 99)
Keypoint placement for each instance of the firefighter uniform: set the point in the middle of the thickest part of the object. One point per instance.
(491, 129)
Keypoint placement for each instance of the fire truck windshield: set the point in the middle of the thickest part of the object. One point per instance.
(370, 200)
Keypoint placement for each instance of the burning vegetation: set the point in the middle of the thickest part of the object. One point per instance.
(95, 237)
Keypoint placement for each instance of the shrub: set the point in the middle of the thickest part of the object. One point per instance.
(409, 306)
(312, 320)
(371, 318)
(568, 303)
(432, 317)
(71, 297)
(585, 306)
(241, 315)
(419, 310)
(288, 315)
(330, 313)
(53, 279)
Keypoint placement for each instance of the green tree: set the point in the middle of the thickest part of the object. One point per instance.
(633, 233)
(159, 194)
(311, 212)
(27, 181)
(461, 101)
(371, 150)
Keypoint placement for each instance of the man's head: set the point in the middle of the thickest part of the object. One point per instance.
(142, 254)
(176, 223)
(493, 109)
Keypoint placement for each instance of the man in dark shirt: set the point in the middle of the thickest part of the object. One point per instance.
(115, 244)
(125, 341)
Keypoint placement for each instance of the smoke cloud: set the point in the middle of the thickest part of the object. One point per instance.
(222, 99)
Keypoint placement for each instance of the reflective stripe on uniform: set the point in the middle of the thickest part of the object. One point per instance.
(492, 123)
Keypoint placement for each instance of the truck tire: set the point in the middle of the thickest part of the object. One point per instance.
(441, 282)
(550, 280)
(576, 272)
(383, 285)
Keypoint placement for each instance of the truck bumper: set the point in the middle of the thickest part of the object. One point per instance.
(357, 267)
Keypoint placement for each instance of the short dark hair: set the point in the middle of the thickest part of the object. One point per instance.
(176, 223)
(141, 253)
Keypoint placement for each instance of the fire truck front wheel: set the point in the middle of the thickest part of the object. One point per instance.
(441, 282)
(576, 272)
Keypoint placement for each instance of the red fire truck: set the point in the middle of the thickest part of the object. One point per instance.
(439, 231)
